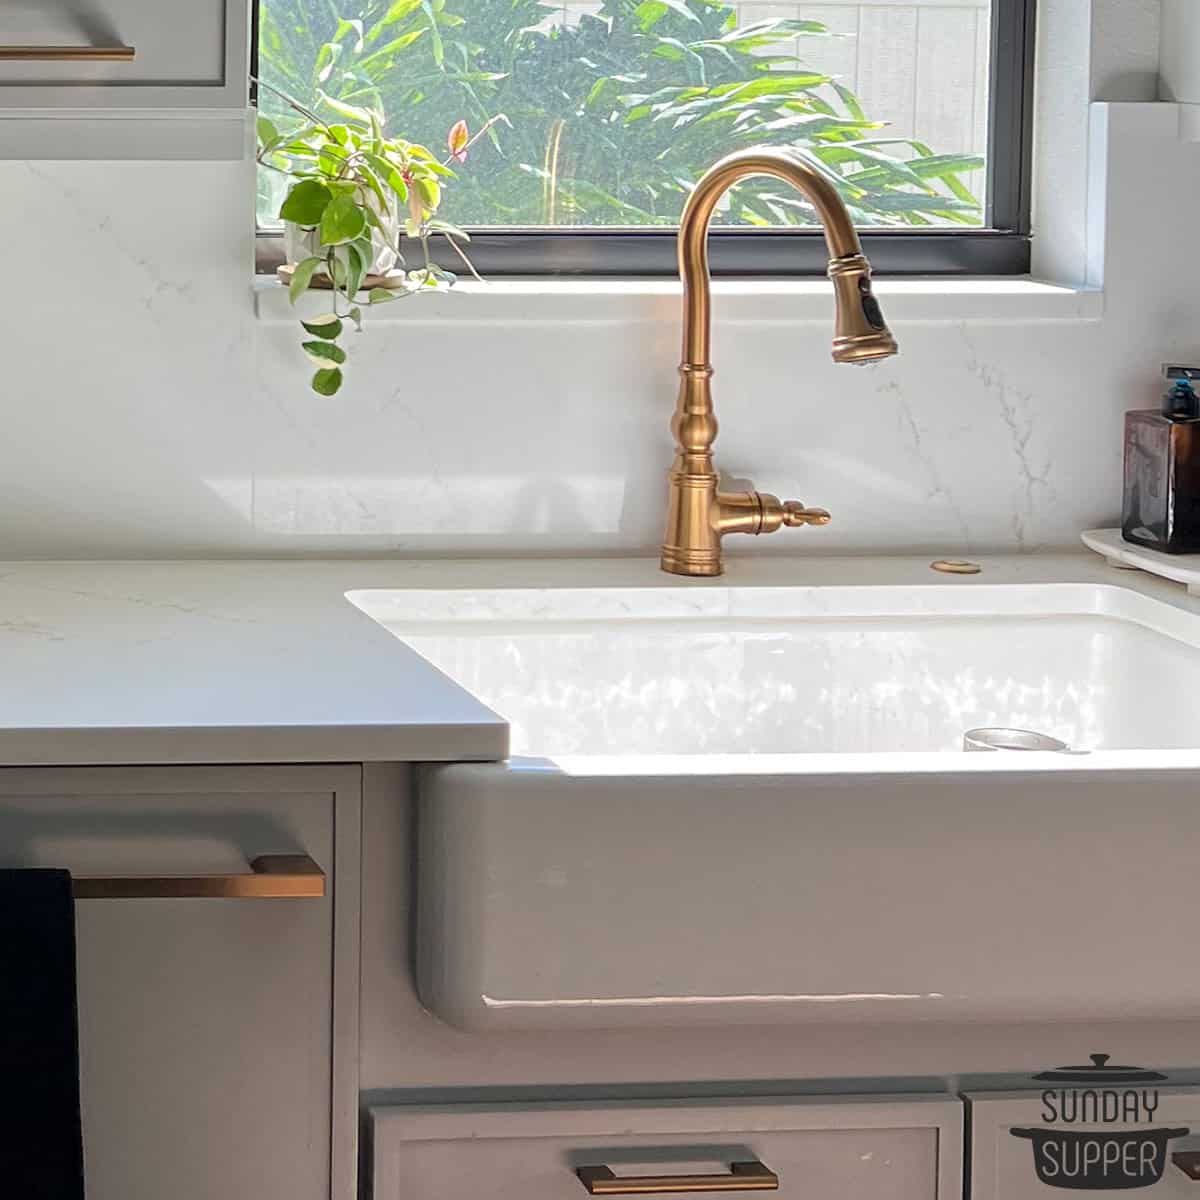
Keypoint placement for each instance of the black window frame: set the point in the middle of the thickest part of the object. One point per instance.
(1001, 247)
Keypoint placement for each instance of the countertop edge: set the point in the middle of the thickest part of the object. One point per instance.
(129, 746)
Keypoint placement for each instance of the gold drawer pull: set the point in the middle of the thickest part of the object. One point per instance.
(750, 1176)
(1188, 1161)
(66, 53)
(271, 877)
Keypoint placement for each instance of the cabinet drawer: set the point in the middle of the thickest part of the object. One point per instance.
(894, 1148)
(1005, 1166)
(207, 1021)
(191, 54)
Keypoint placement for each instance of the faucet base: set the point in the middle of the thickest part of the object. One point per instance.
(676, 560)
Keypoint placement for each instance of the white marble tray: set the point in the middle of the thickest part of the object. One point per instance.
(1182, 568)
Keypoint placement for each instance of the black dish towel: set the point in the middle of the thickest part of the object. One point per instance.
(41, 1138)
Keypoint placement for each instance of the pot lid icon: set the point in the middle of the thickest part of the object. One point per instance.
(1099, 1073)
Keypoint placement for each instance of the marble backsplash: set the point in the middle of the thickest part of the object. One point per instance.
(150, 412)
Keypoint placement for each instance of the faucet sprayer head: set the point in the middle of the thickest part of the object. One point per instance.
(862, 335)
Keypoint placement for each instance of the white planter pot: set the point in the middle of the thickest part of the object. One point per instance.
(300, 243)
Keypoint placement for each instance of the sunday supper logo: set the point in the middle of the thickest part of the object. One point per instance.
(1077, 1145)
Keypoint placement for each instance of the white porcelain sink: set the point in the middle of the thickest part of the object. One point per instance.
(748, 803)
(810, 670)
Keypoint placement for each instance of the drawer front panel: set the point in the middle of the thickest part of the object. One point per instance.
(196, 50)
(1004, 1166)
(887, 1150)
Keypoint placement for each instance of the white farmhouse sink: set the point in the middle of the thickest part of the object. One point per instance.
(747, 802)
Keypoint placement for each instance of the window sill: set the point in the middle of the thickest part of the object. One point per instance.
(758, 302)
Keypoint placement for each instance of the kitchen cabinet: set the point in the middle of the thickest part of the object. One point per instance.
(214, 1041)
(124, 79)
(1030, 1145)
(815, 1148)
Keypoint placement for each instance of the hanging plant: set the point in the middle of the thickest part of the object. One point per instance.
(356, 194)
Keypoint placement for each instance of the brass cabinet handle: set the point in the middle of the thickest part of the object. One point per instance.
(1188, 1161)
(271, 877)
(66, 53)
(750, 1176)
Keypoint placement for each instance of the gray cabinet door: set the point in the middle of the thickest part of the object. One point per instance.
(187, 54)
(207, 1026)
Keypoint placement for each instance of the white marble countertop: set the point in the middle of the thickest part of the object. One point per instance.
(219, 662)
(268, 661)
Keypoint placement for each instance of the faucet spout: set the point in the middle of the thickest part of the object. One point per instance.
(698, 515)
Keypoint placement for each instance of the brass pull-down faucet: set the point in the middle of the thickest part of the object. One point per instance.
(698, 514)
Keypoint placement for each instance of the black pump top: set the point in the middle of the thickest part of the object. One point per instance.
(1181, 403)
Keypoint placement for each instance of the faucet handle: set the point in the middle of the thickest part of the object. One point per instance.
(760, 512)
(795, 513)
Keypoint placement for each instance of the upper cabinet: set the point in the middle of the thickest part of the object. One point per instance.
(124, 78)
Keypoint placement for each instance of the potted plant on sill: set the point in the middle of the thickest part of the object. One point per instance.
(356, 193)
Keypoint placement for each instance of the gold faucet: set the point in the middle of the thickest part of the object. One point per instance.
(698, 514)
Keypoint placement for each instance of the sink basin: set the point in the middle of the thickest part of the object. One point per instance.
(728, 671)
(747, 803)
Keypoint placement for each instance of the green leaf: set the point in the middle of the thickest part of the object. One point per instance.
(331, 159)
(812, 124)
(347, 26)
(772, 83)
(350, 111)
(938, 165)
(398, 11)
(356, 317)
(389, 173)
(394, 46)
(268, 134)
(958, 189)
(431, 192)
(326, 60)
(306, 203)
(850, 100)
(650, 12)
(439, 51)
(673, 50)
(328, 326)
(324, 354)
(367, 250)
(297, 150)
(337, 267)
(451, 231)
(302, 275)
(382, 295)
(364, 173)
(356, 267)
(342, 221)
(327, 381)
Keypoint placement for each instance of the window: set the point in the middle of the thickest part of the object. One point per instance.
(919, 109)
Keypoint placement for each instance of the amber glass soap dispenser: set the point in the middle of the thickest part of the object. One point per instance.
(1162, 469)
